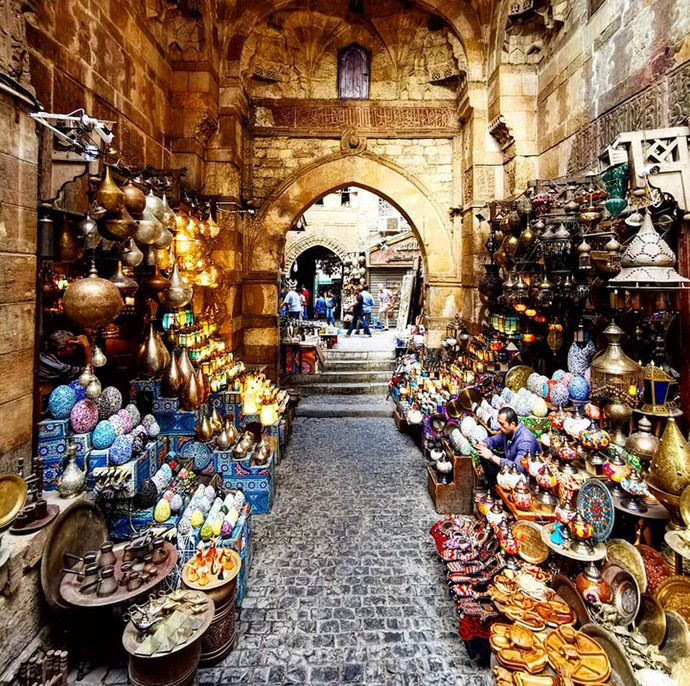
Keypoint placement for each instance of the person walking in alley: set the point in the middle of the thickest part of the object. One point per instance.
(330, 305)
(385, 306)
(358, 314)
(292, 302)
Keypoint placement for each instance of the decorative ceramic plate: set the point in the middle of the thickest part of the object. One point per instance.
(596, 504)
(199, 452)
(655, 566)
(12, 496)
(673, 593)
(516, 378)
(629, 557)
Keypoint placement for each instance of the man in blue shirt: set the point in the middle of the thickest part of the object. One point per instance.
(367, 307)
(515, 439)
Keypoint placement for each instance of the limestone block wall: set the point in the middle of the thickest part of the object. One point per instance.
(623, 68)
(18, 185)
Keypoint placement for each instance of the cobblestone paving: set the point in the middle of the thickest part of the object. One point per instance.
(345, 585)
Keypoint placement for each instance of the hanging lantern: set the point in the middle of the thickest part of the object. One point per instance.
(554, 338)
(545, 293)
(108, 195)
(581, 335)
(584, 257)
(613, 255)
(489, 286)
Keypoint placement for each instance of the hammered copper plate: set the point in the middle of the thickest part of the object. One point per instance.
(516, 378)
(12, 496)
(651, 619)
(620, 665)
(655, 566)
(532, 548)
(77, 529)
(629, 556)
(673, 593)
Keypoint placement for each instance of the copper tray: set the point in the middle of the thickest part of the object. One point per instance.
(651, 619)
(77, 529)
(629, 557)
(656, 567)
(12, 496)
(673, 593)
(532, 548)
(624, 673)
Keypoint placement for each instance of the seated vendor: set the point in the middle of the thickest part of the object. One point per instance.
(515, 439)
(60, 362)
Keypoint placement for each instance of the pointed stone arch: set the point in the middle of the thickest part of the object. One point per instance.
(313, 241)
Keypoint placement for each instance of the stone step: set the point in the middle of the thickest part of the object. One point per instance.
(325, 388)
(338, 376)
(360, 365)
(359, 409)
(359, 355)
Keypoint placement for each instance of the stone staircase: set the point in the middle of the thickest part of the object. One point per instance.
(353, 383)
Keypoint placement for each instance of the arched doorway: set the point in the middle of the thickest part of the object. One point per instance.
(319, 269)
(265, 241)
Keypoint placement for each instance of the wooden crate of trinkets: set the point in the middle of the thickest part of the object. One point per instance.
(456, 497)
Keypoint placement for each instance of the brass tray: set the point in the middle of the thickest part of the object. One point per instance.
(673, 593)
(516, 378)
(684, 505)
(619, 550)
(624, 590)
(678, 542)
(651, 619)
(454, 409)
(676, 644)
(615, 651)
(77, 529)
(532, 548)
(565, 589)
(469, 397)
(213, 583)
(12, 496)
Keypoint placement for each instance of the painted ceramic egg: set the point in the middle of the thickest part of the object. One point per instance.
(522, 407)
(165, 469)
(126, 420)
(84, 416)
(226, 529)
(479, 433)
(184, 526)
(109, 402)
(78, 389)
(118, 426)
(121, 450)
(579, 388)
(153, 430)
(577, 360)
(466, 425)
(162, 512)
(146, 496)
(139, 431)
(495, 401)
(133, 411)
(216, 526)
(206, 532)
(176, 503)
(197, 519)
(534, 382)
(103, 435)
(168, 495)
(147, 420)
(239, 500)
(558, 374)
(560, 395)
(507, 393)
(566, 379)
(540, 408)
(61, 402)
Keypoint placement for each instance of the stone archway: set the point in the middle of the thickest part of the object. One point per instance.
(311, 242)
(265, 241)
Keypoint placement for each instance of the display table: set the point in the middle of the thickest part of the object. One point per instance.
(540, 514)
(330, 340)
(303, 357)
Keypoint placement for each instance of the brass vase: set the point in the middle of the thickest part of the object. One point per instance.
(108, 195)
(135, 200)
(670, 468)
(119, 227)
(178, 294)
(201, 382)
(156, 282)
(216, 421)
(204, 429)
(151, 359)
(191, 397)
(618, 413)
(186, 366)
(223, 440)
(173, 380)
(229, 428)
(92, 302)
(126, 285)
(131, 255)
(155, 205)
(148, 229)
(72, 479)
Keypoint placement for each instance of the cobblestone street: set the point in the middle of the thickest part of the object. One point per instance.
(345, 585)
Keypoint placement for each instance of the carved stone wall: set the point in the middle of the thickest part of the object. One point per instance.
(632, 74)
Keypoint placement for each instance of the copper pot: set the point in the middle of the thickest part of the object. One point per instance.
(173, 380)
(191, 395)
(119, 227)
(92, 302)
(151, 359)
(135, 200)
(108, 195)
(125, 284)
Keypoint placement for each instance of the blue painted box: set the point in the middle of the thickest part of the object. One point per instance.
(50, 429)
(52, 449)
(83, 445)
(180, 422)
(97, 458)
(120, 524)
(52, 470)
(258, 491)
(166, 405)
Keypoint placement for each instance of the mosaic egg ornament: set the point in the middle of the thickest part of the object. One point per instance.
(226, 529)
(507, 393)
(121, 450)
(103, 435)
(133, 411)
(118, 426)
(147, 420)
(560, 395)
(496, 401)
(479, 433)
(239, 500)
(540, 408)
(162, 512)
(126, 420)
(146, 496)
(579, 388)
(109, 402)
(84, 416)
(61, 402)
(566, 379)
(153, 430)
(534, 382)
(79, 390)
(466, 425)
(558, 374)
(176, 503)
(184, 526)
(577, 360)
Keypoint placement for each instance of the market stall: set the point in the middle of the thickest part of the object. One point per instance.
(568, 564)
